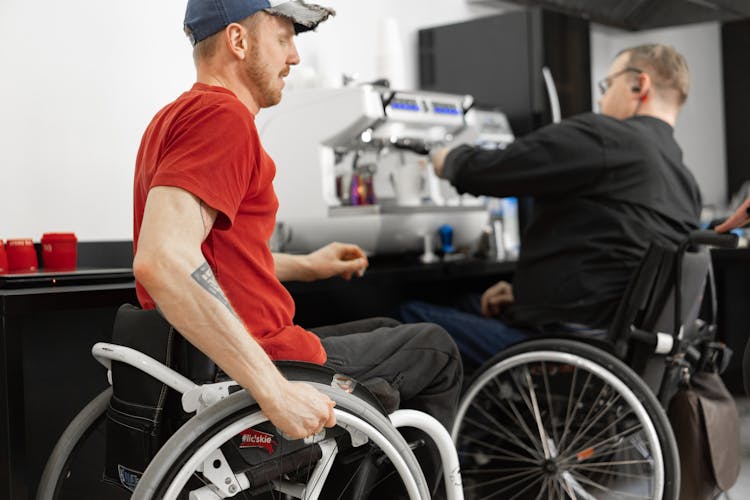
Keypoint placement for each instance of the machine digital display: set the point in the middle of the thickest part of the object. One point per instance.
(405, 106)
(446, 110)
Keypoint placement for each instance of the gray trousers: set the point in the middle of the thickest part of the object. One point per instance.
(418, 364)
(419, 360)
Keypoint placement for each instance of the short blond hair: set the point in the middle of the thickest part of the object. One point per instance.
(206, 48)
(667, 68)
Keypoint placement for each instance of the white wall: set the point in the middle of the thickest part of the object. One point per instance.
(82, 78)
(700, 125)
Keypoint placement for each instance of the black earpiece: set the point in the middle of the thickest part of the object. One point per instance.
(636, 88)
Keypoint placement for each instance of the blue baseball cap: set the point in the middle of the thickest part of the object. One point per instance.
(203, 18)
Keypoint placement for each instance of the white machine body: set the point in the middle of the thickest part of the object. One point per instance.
(325, 141)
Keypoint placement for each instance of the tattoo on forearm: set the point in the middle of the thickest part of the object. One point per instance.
(205, 278)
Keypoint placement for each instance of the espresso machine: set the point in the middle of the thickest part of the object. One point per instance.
(352, 166)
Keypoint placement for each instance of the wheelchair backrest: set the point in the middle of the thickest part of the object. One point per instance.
(144, 412)
(693, 274)
(148, 332)
(664, 295)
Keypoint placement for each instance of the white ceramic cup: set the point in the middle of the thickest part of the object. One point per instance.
(408, 181)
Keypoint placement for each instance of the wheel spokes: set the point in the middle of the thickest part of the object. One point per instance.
(604, 451)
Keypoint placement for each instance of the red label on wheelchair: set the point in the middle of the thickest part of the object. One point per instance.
(257, 439)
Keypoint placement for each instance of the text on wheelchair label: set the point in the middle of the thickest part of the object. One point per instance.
(257, 439)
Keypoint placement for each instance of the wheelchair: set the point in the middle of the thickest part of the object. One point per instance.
(222, 446)
(582, 415)
(577, 416)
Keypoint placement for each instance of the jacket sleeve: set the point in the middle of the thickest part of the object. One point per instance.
(552, 160)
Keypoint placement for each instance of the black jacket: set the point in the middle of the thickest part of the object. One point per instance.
(604, 189)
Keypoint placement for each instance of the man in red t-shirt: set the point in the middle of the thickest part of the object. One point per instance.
(205, 209)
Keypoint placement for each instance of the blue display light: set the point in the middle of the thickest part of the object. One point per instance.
(446, 111)
(406, 107)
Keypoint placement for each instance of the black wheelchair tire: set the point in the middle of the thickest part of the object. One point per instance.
(91, 417)
(657, 415)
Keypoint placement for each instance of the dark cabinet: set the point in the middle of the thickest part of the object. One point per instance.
(499, 60)
(735, 44)
(47, 372)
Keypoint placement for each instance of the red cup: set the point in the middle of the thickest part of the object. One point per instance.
(3, 258)
(21, 256)
(59, 251)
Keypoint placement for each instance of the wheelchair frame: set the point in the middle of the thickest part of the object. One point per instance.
(211, 401)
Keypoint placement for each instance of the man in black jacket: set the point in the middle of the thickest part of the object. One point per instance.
(605, 186)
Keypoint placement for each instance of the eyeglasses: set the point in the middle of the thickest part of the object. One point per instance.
(606, 82)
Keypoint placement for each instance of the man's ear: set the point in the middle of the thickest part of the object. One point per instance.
(236, 39)
(642, 85)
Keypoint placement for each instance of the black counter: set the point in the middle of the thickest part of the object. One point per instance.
(388, 282)
(732, 272)
(47, 373)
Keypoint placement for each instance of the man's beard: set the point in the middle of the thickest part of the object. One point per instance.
(263, 80)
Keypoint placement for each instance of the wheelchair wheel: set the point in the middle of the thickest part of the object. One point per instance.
(561, 419)
(232, 445)
(74, 468)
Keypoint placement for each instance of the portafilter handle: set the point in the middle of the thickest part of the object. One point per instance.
(417, 146)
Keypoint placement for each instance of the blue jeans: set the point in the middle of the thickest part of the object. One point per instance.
(477, 337)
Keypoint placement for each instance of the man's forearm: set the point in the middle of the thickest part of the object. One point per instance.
(292, 267)
(197, 307)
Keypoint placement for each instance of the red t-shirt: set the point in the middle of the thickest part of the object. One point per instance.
(206, 143)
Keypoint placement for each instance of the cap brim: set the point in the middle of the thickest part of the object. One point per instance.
(305, 16)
